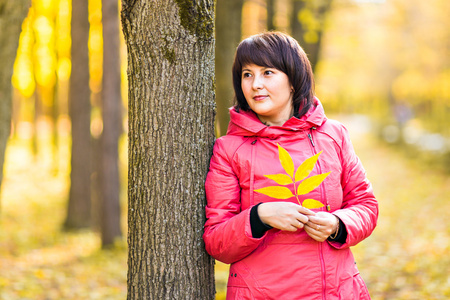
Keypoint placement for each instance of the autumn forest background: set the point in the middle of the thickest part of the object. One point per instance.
(381, 67)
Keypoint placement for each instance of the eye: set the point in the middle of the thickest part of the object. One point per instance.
(268, 72)
(246, 74)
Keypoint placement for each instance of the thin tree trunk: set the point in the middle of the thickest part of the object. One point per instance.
(12, 14)
(79, 206)
(309, 35)
(36, 114)
(171, 113)
(112, 125)
(270, 14)
(228, 35)
(55, 115)
(55, 98)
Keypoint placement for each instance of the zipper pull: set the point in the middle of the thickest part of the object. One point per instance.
(311, 140)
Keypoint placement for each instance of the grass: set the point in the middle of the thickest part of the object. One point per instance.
(406, 257)
(37, 259)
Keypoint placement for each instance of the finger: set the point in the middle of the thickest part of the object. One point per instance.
(291, 228)
(313, 225)
(318, 238)
(317, 228)
(305, 211)
(314, 234)
(318, 220)
(299, 224)
(302, 218)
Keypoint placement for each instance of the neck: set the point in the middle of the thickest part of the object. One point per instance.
(275, 121)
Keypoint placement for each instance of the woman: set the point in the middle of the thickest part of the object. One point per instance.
(257, 219)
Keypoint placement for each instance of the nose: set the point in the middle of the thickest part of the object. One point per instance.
(258, 83)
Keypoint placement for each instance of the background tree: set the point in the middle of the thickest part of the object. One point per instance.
(12, 14)
(112, 125)
(308, 18)
(79, 206)
(228, 36)
(171, 131)
(270, 4)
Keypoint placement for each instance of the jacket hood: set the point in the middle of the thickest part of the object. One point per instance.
(246, 123)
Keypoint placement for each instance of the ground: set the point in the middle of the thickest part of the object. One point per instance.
(405, 258)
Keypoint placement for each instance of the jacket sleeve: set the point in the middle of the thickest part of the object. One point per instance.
(228, 237)
(359, 211)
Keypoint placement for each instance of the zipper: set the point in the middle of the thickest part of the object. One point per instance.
(252, 173)
(311, 140)
(328, 207)
(322, 261)
(322, 264)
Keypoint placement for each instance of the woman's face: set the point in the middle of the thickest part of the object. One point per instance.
(268, 93)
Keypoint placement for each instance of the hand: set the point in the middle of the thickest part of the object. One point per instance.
(321, 226)
(284, 215)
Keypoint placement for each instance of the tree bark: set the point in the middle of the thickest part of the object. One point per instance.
(79, 206)
(228, 36)
(112, 125)
(308, 20)
(12, 14)
(171, 131)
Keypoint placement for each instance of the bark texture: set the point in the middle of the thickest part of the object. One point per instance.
(12, 14)
(171, 113)
(79, 206)
(112, 125)
(308, 20)
(228, 36)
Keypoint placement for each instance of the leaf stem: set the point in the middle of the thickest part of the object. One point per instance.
(295, 192)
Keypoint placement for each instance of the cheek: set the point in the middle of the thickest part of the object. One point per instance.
(245, 89)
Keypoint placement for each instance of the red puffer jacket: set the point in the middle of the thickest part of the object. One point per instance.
(281, 264)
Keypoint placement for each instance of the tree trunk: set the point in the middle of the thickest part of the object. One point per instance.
(112, 125)
(79, 206)
(12, 14)
(228, 35)
(55, 98)
(171, 131)
(308, 20)
(270, 14)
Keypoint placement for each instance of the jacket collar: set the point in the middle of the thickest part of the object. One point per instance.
(246, 123)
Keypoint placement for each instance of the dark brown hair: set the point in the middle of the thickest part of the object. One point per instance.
(282, 52)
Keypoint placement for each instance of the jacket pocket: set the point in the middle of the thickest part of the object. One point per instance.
(360, 290)
(353, 287)
(237, 288)
(239, 293)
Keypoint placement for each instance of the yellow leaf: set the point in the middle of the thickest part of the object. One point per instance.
(282, 179)
(311, 203)
(286, 161)
(306, 167)
(277, 192)
(311, 183)
(39, 274)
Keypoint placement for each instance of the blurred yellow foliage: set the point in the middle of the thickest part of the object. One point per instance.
(376, 55)
(372, 53)
(44, 46)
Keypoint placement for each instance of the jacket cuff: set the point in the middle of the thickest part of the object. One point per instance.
(341, 237)
(257, 226)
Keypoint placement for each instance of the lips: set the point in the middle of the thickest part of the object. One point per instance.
(259, 97)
